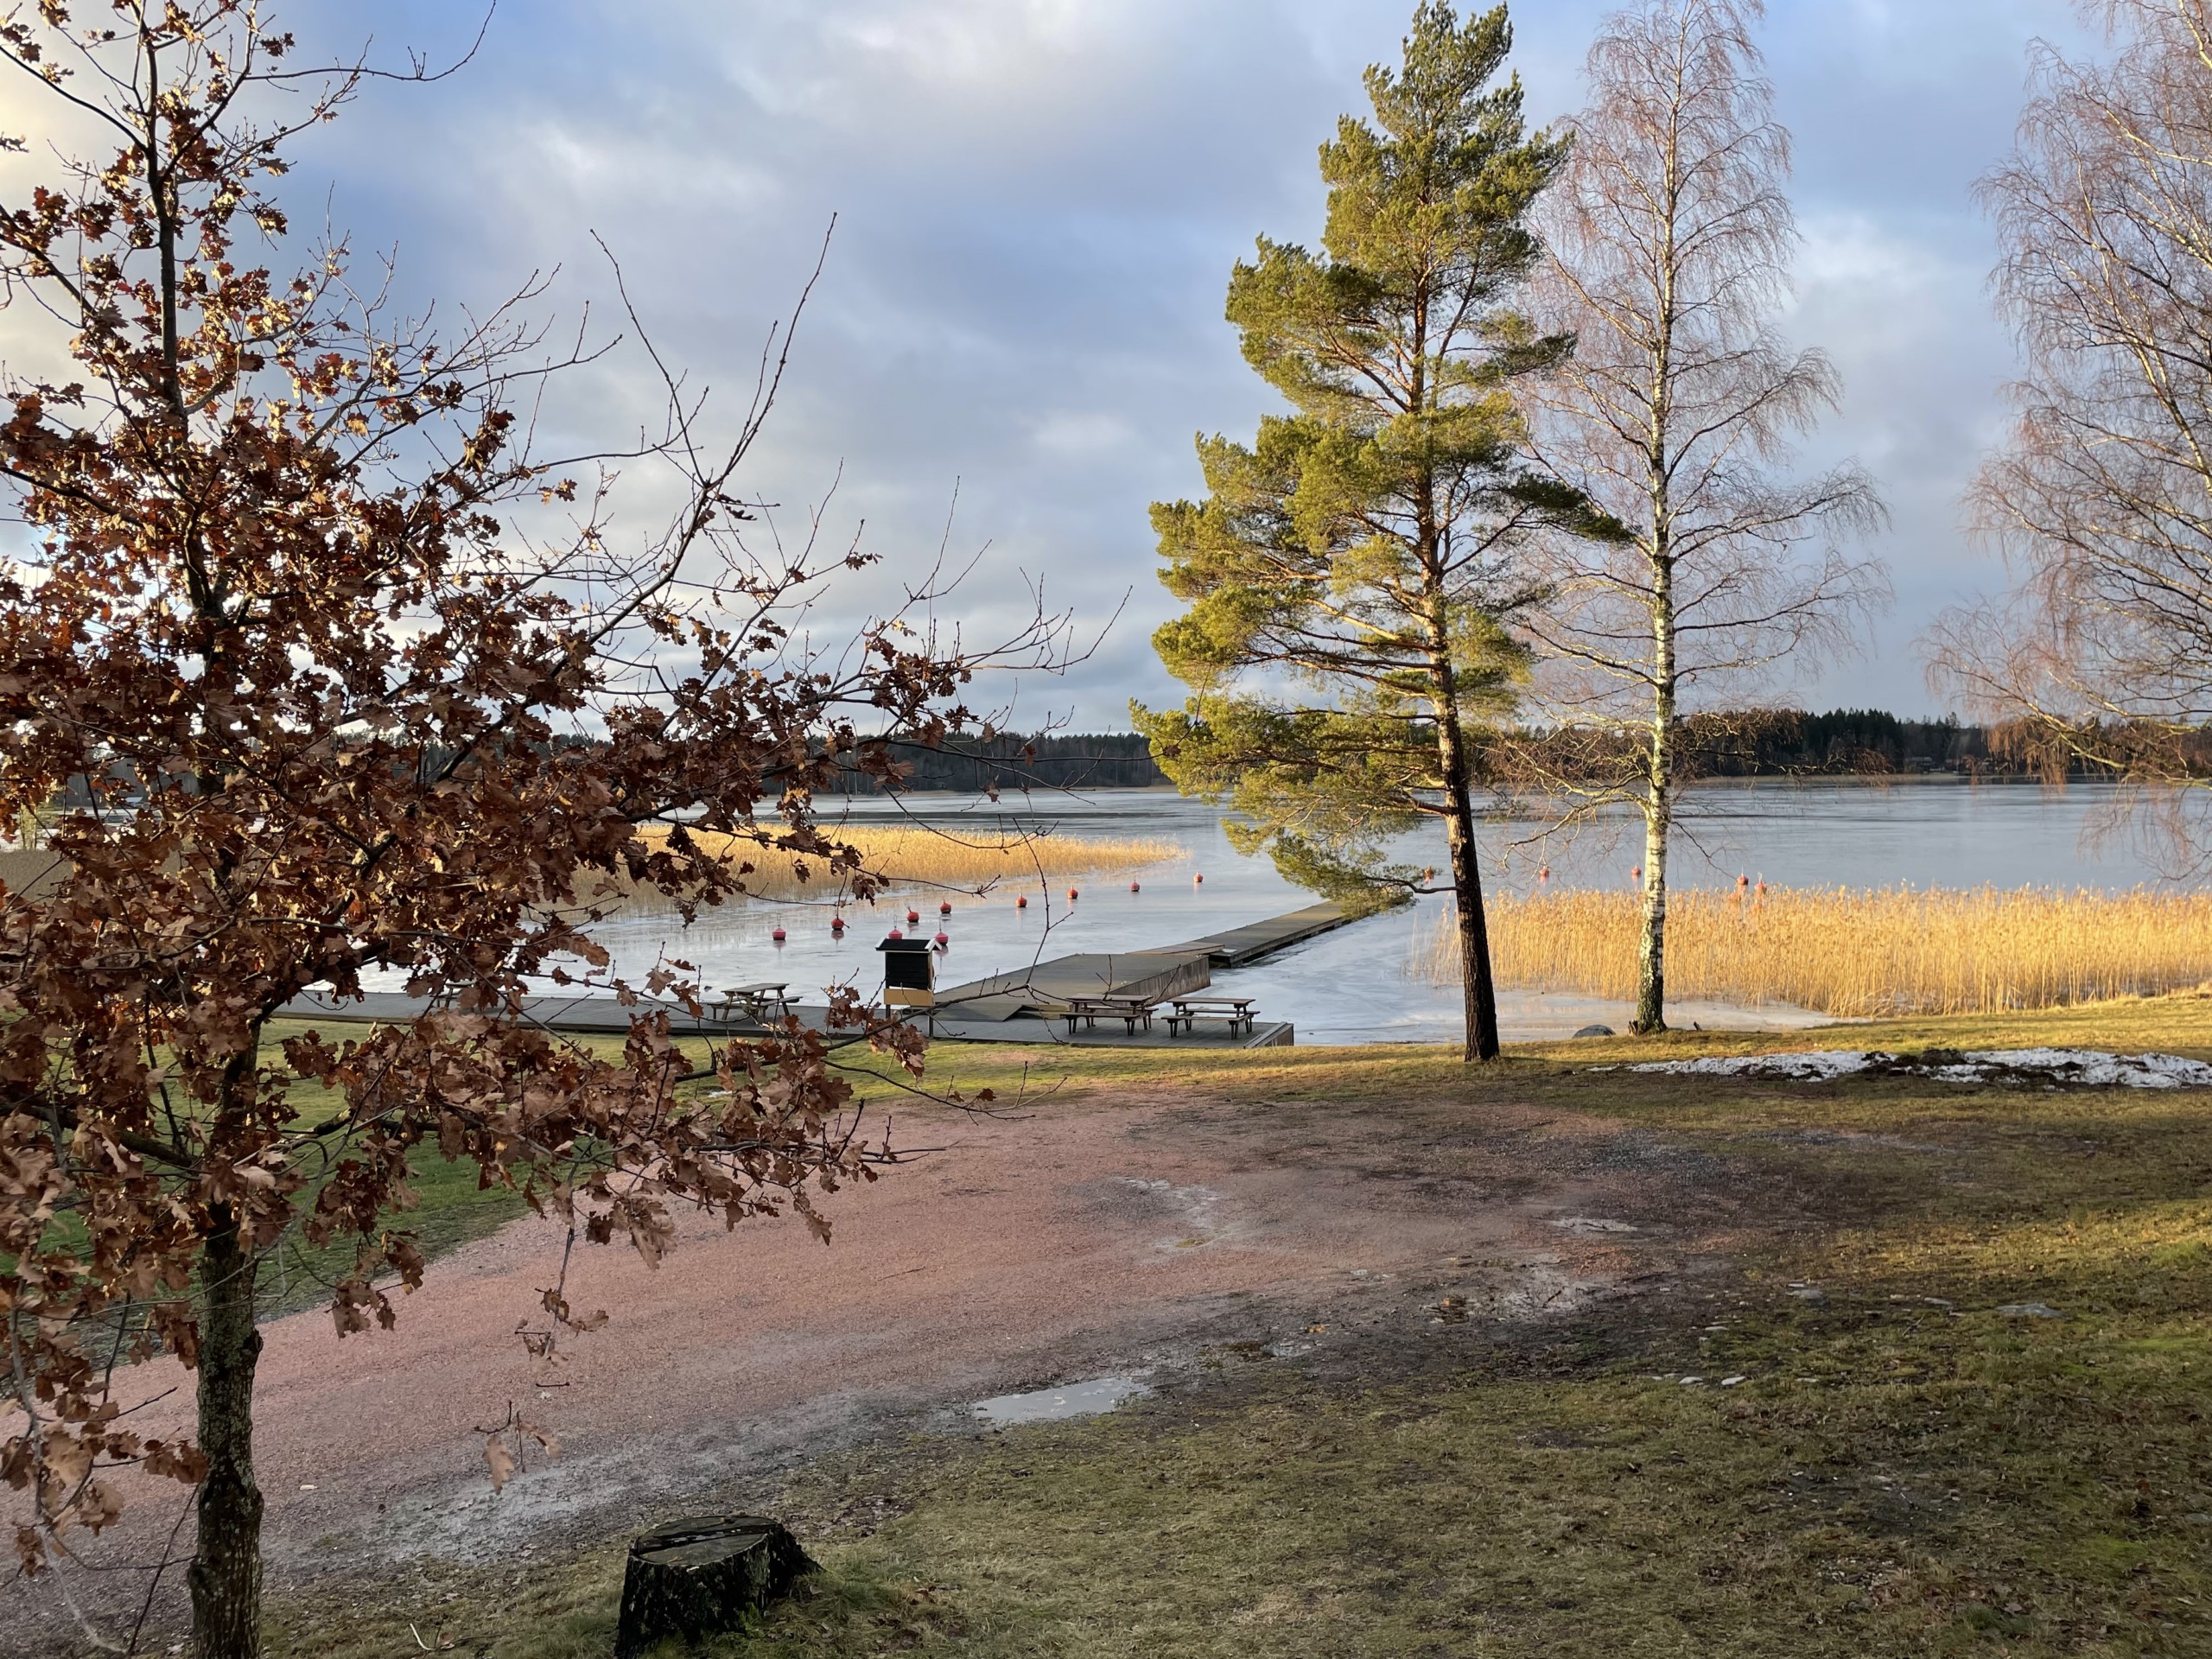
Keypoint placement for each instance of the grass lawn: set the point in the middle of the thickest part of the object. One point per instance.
(1904, 1469)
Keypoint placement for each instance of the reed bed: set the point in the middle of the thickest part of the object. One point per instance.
(1854, 953)
(908, 857)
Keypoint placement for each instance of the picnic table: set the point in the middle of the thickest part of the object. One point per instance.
(1133, 1011)
(1189, 1010)
(757, 1002)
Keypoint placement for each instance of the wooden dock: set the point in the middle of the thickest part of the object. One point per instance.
(603, 1016)
(1174, 971)
(1238, 947)
(1008, 1008)
(1152, 974)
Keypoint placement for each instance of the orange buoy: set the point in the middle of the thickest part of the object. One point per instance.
(1743, 881)
(1071, 895)
(1022, 901)
(1636, 875)
(1198, 881)
(1545, 873)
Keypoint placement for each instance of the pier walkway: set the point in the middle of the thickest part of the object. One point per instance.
(1008, 1008)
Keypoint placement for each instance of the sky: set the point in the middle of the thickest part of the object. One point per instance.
(1038, 203)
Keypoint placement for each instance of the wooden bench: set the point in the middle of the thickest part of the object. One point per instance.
(1189, 1010)
(1132, 1011)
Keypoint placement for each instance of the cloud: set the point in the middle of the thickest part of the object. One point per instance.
(1038, 203)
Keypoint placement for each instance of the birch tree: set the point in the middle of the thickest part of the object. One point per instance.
(2101, 497)
(1669, 237)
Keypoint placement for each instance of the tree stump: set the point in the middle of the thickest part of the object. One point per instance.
(700, 1576)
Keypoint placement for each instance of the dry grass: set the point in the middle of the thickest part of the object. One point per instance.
(909, 857)
(1859, 954)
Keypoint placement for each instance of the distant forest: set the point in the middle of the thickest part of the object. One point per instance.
(1011, 764)
(1770, 743)
(1763, 743)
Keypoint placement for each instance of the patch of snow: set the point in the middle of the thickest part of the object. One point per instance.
(1591, 1225)
(2085, 1068)
(2104, 1071)
(1818, 1067)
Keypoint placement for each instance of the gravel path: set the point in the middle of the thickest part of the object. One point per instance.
(1107, 1234)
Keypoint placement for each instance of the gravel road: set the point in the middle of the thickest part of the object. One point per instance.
(1125, 1234)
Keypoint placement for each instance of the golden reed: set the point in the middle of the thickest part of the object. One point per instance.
(1856, 953)
(911, 857)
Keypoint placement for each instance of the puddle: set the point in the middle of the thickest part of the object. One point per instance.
(1050, 1405)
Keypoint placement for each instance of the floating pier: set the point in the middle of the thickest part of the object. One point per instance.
(1238, 947)
(1008, 1008)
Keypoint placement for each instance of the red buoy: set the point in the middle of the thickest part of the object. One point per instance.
(913, 916)
(1132, 887)
(1022, 901)
(1198, 881)
(945, 909)
(1743, 881)
(942, 941)
(1544, 875)
(778, 936)
(1071, 895)
(837, 924)
(894, 934)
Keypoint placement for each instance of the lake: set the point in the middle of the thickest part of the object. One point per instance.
(1359, 984)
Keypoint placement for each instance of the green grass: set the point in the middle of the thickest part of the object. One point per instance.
(1904, 1470)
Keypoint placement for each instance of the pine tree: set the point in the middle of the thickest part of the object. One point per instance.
(1349, 574)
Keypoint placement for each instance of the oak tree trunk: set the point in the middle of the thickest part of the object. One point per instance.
(225, 1572)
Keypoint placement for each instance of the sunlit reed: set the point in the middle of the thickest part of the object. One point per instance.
(1854, 953)
(953, 860)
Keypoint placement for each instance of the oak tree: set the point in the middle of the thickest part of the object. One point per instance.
(344, 680)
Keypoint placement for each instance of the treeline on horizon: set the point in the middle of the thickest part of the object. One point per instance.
(1008, 763)
(1873, 742)
(1756, 743)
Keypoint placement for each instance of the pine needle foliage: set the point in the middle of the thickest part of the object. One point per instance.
(1349, 571)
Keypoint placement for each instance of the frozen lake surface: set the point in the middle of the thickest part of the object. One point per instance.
(1362, 984)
